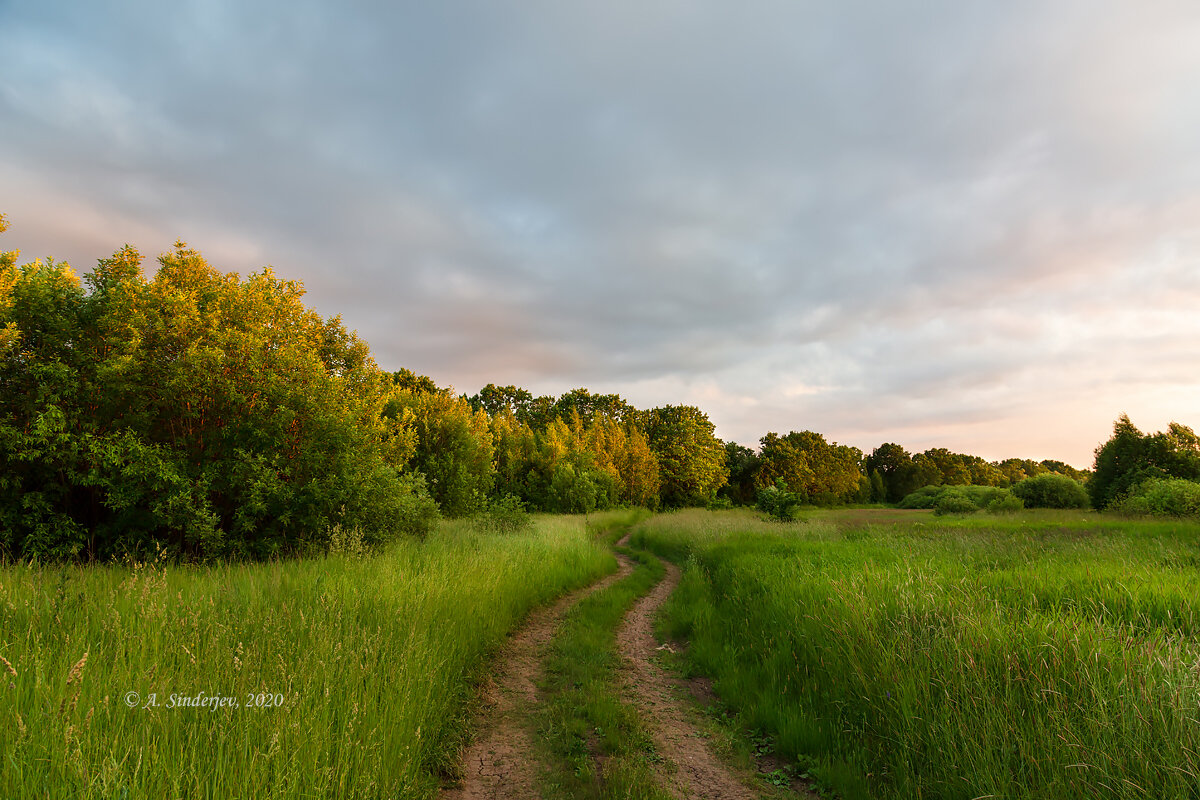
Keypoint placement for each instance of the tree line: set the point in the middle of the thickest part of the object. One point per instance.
(194, 410)
(217, 416)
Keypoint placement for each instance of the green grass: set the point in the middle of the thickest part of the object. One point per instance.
(1046, 654)
(374, 661)
(583, 721)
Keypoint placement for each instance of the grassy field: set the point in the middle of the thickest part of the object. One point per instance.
(350, 677)
(899, 655)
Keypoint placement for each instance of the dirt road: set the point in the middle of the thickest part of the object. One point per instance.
(499, 764)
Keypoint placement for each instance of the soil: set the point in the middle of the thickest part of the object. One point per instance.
(497, 766)
(699, 773)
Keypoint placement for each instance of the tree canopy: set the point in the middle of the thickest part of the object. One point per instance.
(691, 459)
(194, 410)
(1130, 457)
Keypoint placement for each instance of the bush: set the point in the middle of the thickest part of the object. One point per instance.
(1131, 457)
(1052, 490)
(978, 497)
(779, 502)
(954, 501)
(1006, 503)
(921, 498)
(1161, 497)
(504, 515)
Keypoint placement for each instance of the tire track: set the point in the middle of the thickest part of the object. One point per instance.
(699, 772)
(499, 763)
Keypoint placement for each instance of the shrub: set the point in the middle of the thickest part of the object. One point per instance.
(1161, 497)
(504, 515)
(1004, 503)
(781, 503)
(929, 496)
(954, 501)
(1051, 490)
(921, 498)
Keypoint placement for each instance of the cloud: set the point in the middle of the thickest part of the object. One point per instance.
(948, 224)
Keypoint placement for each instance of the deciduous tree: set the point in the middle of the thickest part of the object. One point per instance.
(691, 459)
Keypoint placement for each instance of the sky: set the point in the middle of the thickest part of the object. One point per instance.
(944, 223)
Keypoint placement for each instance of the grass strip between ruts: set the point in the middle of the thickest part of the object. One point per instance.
(596, 744)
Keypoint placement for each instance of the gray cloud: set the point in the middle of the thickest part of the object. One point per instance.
(958, 224)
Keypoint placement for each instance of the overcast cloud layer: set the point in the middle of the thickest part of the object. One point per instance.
(962, 224)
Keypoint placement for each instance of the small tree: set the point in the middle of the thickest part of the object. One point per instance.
(780, 502)
(198, 411)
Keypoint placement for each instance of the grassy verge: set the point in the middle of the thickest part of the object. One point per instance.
(582, 721)
(351, 678)
(1042, 655)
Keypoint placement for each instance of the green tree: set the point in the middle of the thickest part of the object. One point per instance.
(901, 474)
(1015, 470)
(454, 448)
(641, 481)
(822, 472)
(1130, 457)
(741, 466)
(1063, 468)
(588, 406)
(8, 279)
(493, 400)
(958, 469)
(198, 411)
(410, 381)
(691, 459)
(784, 458)
(878, 489)
(950, 467)
(515, 446)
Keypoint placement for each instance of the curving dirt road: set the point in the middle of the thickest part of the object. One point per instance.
(498, 765)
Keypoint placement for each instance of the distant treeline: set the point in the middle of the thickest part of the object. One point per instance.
(219, 417)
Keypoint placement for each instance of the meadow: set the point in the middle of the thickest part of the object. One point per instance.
(894, 654)
(331, 677)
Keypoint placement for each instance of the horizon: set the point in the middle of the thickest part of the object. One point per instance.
(953, 226)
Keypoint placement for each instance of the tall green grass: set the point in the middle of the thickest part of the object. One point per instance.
(372, 660)
(1040, 656)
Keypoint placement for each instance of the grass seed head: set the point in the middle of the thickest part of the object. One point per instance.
(11, 669)
(76, 673)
